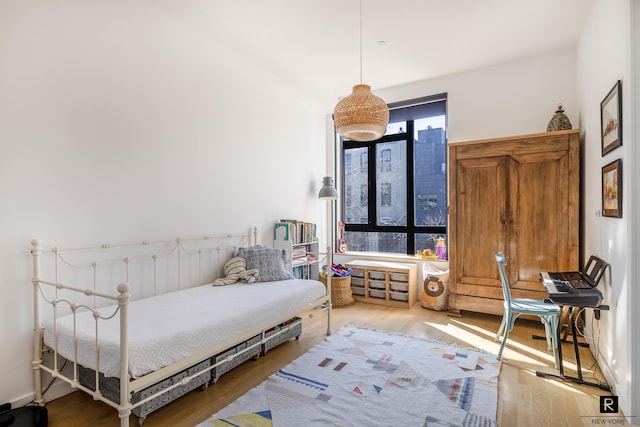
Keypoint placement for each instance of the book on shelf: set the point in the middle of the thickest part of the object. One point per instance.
(298, 252)
(303, 260)
(295, 230)
(282, 231)
(301, 272)
(298, 262)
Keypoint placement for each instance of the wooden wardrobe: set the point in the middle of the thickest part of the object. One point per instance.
(517, 195)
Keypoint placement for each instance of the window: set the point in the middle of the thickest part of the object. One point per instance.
(398, 206)
(385, 194)
(386, 160)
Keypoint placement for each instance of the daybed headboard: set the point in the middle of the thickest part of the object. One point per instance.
(149, 267)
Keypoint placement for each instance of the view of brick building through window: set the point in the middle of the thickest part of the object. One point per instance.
(407, 212)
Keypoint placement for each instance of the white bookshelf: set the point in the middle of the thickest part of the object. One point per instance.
(304, 258)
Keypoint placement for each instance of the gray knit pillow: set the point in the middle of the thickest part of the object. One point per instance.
(272, 264)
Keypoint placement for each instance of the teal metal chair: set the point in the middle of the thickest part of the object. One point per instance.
(514, 307)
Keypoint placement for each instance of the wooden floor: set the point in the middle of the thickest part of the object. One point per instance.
(524, 398)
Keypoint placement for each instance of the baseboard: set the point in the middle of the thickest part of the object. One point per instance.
(22, 400)
(58, 389)
(608, 373)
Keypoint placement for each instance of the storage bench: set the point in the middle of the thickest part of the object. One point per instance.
(384, 283)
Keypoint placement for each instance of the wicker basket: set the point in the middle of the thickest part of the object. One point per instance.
(341, 295)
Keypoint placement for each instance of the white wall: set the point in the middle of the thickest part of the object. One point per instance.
(508, 99)
(604, 56)
(123, 124)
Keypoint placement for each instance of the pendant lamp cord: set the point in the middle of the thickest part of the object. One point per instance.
(360, 41)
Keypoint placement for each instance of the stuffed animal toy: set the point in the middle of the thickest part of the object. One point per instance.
(236, 269)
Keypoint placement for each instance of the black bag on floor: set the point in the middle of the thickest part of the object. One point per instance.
(27, 416)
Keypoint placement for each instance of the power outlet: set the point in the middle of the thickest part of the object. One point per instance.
(45, 348)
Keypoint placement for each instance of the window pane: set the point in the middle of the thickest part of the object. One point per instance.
(431, 241)
(376, 242)
(396, 128)
(391, 186)
(356, 193)
(430, 172)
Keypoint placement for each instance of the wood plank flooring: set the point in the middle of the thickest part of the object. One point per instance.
(524, 398)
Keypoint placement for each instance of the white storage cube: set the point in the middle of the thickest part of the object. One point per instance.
(357, 281)
(379, 275)
(375, 293)
(399, 277)
(399, 296)
(357, 290)
(377, 284)
(357, 272)
(399, 286)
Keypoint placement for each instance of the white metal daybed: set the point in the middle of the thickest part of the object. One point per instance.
(167, 330)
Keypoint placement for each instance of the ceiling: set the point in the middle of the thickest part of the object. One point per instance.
(315, 43)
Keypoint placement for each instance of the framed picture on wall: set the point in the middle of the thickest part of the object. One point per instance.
(612, 189)
(611, 119)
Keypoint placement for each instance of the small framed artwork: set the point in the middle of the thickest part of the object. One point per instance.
(611, 119)
(612, 189)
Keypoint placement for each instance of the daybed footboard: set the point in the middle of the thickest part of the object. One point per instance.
(143, 394)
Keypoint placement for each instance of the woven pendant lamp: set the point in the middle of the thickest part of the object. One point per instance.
(361, 116)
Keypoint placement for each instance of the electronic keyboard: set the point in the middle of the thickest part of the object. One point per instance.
(567, 293)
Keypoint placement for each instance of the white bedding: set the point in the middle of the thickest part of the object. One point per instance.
(169, 327)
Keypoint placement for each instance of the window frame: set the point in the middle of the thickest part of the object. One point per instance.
(408, 136)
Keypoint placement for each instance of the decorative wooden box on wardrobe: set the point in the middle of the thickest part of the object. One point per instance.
(518, 195)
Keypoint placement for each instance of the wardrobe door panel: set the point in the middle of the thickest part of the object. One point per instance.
(481, 219)
(538, 216)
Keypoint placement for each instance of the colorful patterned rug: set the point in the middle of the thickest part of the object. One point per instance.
(361, 377)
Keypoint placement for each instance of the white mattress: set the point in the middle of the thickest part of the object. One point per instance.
(166, 328)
